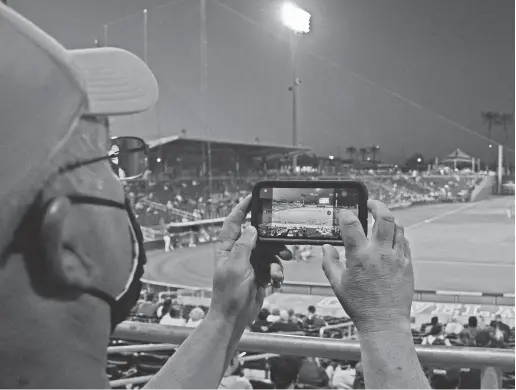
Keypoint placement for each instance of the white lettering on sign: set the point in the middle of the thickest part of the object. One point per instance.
(445, 309)
(474, 311)
(450, 309)
(505, 312)
(420, 307)
(471, 310)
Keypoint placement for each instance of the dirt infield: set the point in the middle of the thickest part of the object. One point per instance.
(457, 247)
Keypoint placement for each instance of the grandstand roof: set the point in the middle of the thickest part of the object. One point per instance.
(255, 149)
(458, 155)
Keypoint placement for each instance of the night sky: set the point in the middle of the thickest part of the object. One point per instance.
(451, 58)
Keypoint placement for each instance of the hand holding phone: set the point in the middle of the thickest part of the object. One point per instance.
(301, 212)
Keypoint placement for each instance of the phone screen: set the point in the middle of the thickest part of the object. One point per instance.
(304, 213)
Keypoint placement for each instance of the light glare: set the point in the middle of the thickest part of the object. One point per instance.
(295, 18)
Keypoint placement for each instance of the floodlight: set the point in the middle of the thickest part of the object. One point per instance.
(295, 18)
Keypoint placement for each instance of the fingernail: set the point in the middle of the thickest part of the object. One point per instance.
(347, 217)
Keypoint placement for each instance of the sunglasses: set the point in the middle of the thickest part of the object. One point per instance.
(127, 155)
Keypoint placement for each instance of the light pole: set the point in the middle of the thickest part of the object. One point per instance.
(297, 20)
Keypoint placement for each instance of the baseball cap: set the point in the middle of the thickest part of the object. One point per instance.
(44, 90)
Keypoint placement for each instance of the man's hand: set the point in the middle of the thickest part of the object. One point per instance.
(238, 294)
(375, 285)
(243, 270)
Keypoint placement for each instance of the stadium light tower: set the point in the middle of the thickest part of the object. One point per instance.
(297, 20)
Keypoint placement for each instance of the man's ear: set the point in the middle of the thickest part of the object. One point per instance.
(63, 260)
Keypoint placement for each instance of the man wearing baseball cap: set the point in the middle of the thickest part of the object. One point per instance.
(71, 251)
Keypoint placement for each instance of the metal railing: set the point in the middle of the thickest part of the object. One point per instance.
(173, 210)
(431, 356)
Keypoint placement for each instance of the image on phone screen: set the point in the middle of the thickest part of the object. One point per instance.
(307, 213)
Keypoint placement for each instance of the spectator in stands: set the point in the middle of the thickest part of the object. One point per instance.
(344, 376)
(486, 338)
(195, 317)
(173, 317)
(231, 378)
(150, 308)
(285, 370)
(71, 250)
(436, 337)
(329, 367)
(312, 320)
(503, 331)
(274, 316)
(283, 324)
(453, 327)
(312, 374)
(469, 333)
(481, 322)
(164, 308)
(427, 328)
(293, 318)
(359, 378)
(261, 325)
(60, 195)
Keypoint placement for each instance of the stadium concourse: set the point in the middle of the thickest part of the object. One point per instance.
(467, 247)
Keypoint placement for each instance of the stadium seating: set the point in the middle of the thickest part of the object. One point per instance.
(159, 203)
(132, 365)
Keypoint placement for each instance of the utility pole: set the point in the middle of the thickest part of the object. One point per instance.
(293, 89)
(204, 79)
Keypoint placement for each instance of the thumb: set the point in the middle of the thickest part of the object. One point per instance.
(332, 265)
(246, 242)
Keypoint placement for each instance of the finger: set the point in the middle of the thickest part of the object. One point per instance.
(399, 237)
(406, 249)
(245, 244)
(276, 272)
(351, 231)
(331, 264)
(232, 226)
(383, 228)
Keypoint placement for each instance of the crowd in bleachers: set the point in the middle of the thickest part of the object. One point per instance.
(251, 370)
(162, 202)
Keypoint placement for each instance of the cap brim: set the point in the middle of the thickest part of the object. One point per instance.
(116, 81)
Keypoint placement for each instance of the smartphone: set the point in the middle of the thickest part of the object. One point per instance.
(305, 212)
